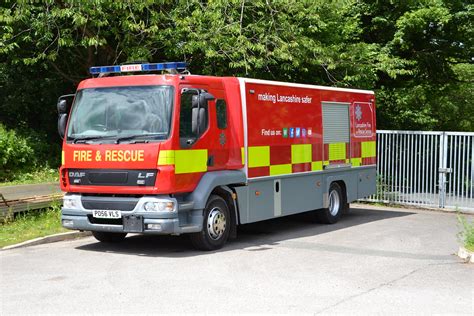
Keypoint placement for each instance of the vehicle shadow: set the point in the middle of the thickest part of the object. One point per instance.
(255, 236)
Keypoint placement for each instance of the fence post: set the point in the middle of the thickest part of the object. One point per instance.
(443, 161)
(470, 174)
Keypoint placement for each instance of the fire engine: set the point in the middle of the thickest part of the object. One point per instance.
(175, 153)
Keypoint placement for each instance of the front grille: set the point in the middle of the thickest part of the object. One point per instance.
(105, 221)
(108, 178)
(121, 204)
(112, 177)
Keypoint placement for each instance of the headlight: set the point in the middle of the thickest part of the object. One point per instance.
(70, 203)
(165, 206)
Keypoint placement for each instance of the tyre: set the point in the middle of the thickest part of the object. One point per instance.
(109, 237)
(337, 206)
(347, 209)
(215, 226)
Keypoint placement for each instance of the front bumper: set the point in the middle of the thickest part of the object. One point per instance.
(184, 219)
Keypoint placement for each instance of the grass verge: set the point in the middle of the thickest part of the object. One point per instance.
(466, 235)
(37, 176)
(31, 225)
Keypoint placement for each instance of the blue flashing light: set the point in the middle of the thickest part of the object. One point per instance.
(137, 68)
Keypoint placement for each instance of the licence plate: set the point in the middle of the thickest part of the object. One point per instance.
(106, 214)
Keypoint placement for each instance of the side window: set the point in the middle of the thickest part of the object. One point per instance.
(221, 110)
(185, 116)
(193, 116)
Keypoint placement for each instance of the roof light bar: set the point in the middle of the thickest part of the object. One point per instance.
(137, 68)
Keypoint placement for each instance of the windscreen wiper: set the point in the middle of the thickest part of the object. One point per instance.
(85, 139)
(130, 137)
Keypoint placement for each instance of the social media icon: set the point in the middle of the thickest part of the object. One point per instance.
(298, 132)
(292, 132)
(303, 132)
(285, 132)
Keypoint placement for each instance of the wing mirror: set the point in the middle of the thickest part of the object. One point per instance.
(63, 106)
(65, 103)
(62, 122)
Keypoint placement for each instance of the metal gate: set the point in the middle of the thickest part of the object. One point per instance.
(433, 169)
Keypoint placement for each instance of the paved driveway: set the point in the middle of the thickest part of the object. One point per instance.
(374, 260)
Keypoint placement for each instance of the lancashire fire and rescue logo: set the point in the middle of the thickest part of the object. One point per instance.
(222, 139)
(363, 120)
(358, 112)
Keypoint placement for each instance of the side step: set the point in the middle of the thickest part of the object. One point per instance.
(185, 206)
(190, 228)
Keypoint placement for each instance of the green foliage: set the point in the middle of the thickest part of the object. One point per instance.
(15, 152)
(38, 174)
(383, 190)
(301, 41)
(417, 55)
(30, 225)
(22, 157)
(466, 235)
(435, 40)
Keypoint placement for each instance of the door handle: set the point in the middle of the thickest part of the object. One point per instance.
(210, 161)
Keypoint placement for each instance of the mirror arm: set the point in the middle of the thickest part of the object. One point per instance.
(72, 95)
(199, 106)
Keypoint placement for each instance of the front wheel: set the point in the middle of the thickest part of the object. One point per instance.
(337, 205)
(109, 237)
(216, 225)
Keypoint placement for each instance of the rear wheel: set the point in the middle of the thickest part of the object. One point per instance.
(109, 237)
(216, 225)
(337, 205)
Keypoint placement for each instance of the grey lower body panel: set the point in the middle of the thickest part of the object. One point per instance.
(184, 219)
(269, 197)
(168, 226)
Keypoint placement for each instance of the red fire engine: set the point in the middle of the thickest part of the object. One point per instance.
(177, 153)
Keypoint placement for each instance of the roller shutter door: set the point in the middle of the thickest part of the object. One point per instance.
(335, 122)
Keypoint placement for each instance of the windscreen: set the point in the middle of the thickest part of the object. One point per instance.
(123, 113)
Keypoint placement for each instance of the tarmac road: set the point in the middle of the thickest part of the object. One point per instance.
(375, 260)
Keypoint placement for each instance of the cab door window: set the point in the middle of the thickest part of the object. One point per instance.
(194, 116)
(221, 112)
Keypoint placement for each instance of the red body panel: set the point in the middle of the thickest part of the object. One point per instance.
(271, 108)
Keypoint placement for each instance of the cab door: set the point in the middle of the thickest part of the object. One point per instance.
(221, 138)
(203, 127)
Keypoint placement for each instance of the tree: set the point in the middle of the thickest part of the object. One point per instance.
(417, 55)
(435, 41)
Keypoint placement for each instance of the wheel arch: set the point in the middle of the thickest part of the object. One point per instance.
(211, 181)
(342, 184)
(221, 184)
(228, 194)
(343, 187)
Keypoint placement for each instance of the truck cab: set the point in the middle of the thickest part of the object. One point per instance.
(135, 148)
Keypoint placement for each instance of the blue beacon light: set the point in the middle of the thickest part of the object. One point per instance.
(137, 68)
